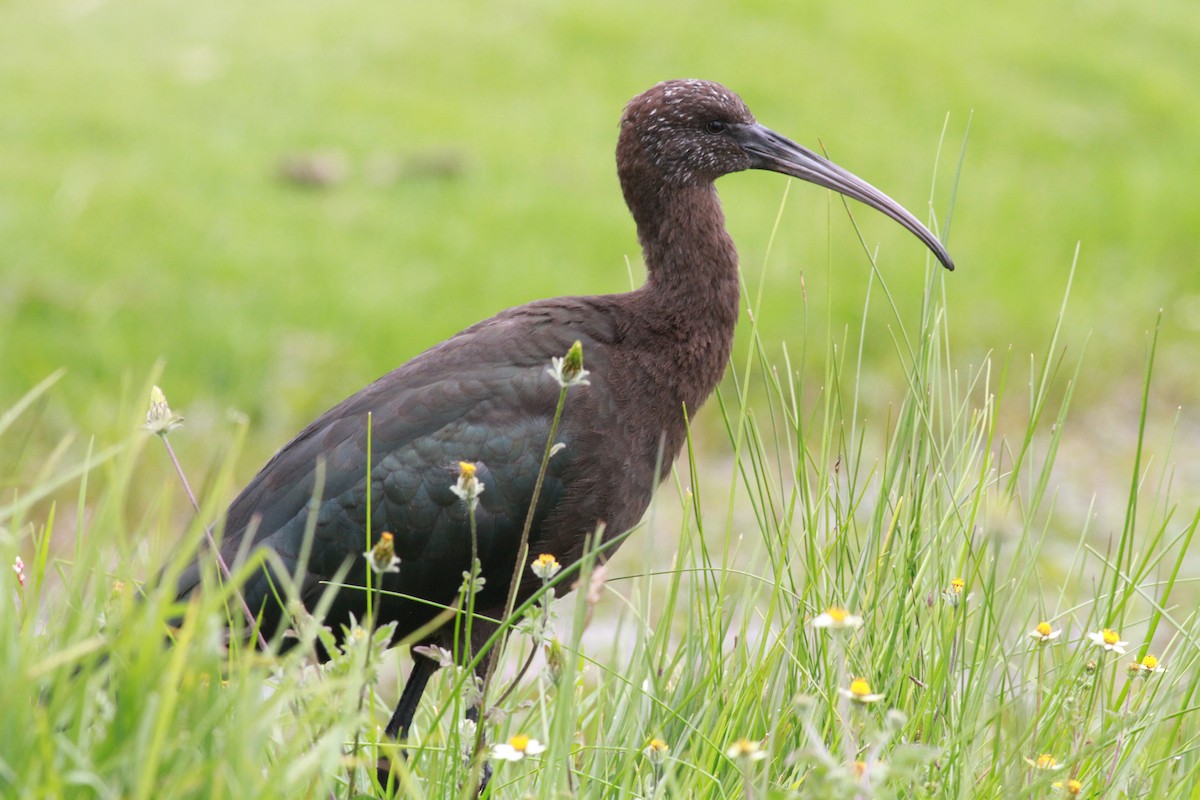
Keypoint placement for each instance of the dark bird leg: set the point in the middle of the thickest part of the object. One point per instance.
(422, 670)
(406, 708)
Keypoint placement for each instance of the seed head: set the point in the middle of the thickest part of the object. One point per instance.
(159, 418)
(468, 487)
(656, 750)
(568, 370)
(382, 557)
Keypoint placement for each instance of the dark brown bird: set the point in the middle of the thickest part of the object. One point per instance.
(484, 397)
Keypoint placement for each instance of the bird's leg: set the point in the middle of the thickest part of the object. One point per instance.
(397, 728)
(422, 670)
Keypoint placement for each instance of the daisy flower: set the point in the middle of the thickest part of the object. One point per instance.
(860, 692)
(545, 566)
(382, 557)
(468, 488)
(1108, 639)
(837, 618)
(1044, 633)
(748, 749)
(517, 748)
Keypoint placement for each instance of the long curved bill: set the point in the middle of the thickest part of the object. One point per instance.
(770, 151)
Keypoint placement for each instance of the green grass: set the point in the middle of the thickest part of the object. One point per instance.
(701, 632)
(853, 457)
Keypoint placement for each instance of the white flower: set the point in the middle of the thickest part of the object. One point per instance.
(1044, 633)
(382, 557)
(953, 594)
(656, 750)
(747, 749)
(19, 568)
(468, 487)
(545, 566)
(1148, 664)
(517, 748)
(568, 370)
(1044, 762)
(160, 419)
(836, 618)
(860, 692)
(1109, 639)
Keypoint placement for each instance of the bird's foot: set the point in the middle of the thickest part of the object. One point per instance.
(383, 773)
(485, 778)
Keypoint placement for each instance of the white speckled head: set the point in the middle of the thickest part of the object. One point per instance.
(677, 127)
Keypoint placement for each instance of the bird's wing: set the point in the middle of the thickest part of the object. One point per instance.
(483, 396)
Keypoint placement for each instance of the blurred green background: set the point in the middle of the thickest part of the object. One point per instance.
(283, 200)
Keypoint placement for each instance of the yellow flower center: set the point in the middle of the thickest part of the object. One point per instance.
(838, 615)
(520, 741)
(957, 585)
(859, 687)
(546, 560)
(1043, 629)
(1149, 662)
(1074, 787)
(1046, 761)
(1110, 636)
(386, 537)
(745, 747)
(466, 469)
(658, 745)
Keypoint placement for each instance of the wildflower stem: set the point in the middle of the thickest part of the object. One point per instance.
(519, 566)
(187, 487)
(1082, 733)
(1037, 712)
(472, 585)
(517, 678)
(850, 746)
(212, 543)
(367, 686)
(475, 569)
(1120, 738)
(370, 622)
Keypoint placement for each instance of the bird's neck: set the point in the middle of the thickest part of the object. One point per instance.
(691, 294)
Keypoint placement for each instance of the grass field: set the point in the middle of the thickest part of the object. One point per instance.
(1002, 649)
(880, 435)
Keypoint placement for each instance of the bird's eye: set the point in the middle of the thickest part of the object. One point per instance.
(714, 126)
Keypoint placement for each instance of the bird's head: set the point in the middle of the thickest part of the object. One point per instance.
(691, 132)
